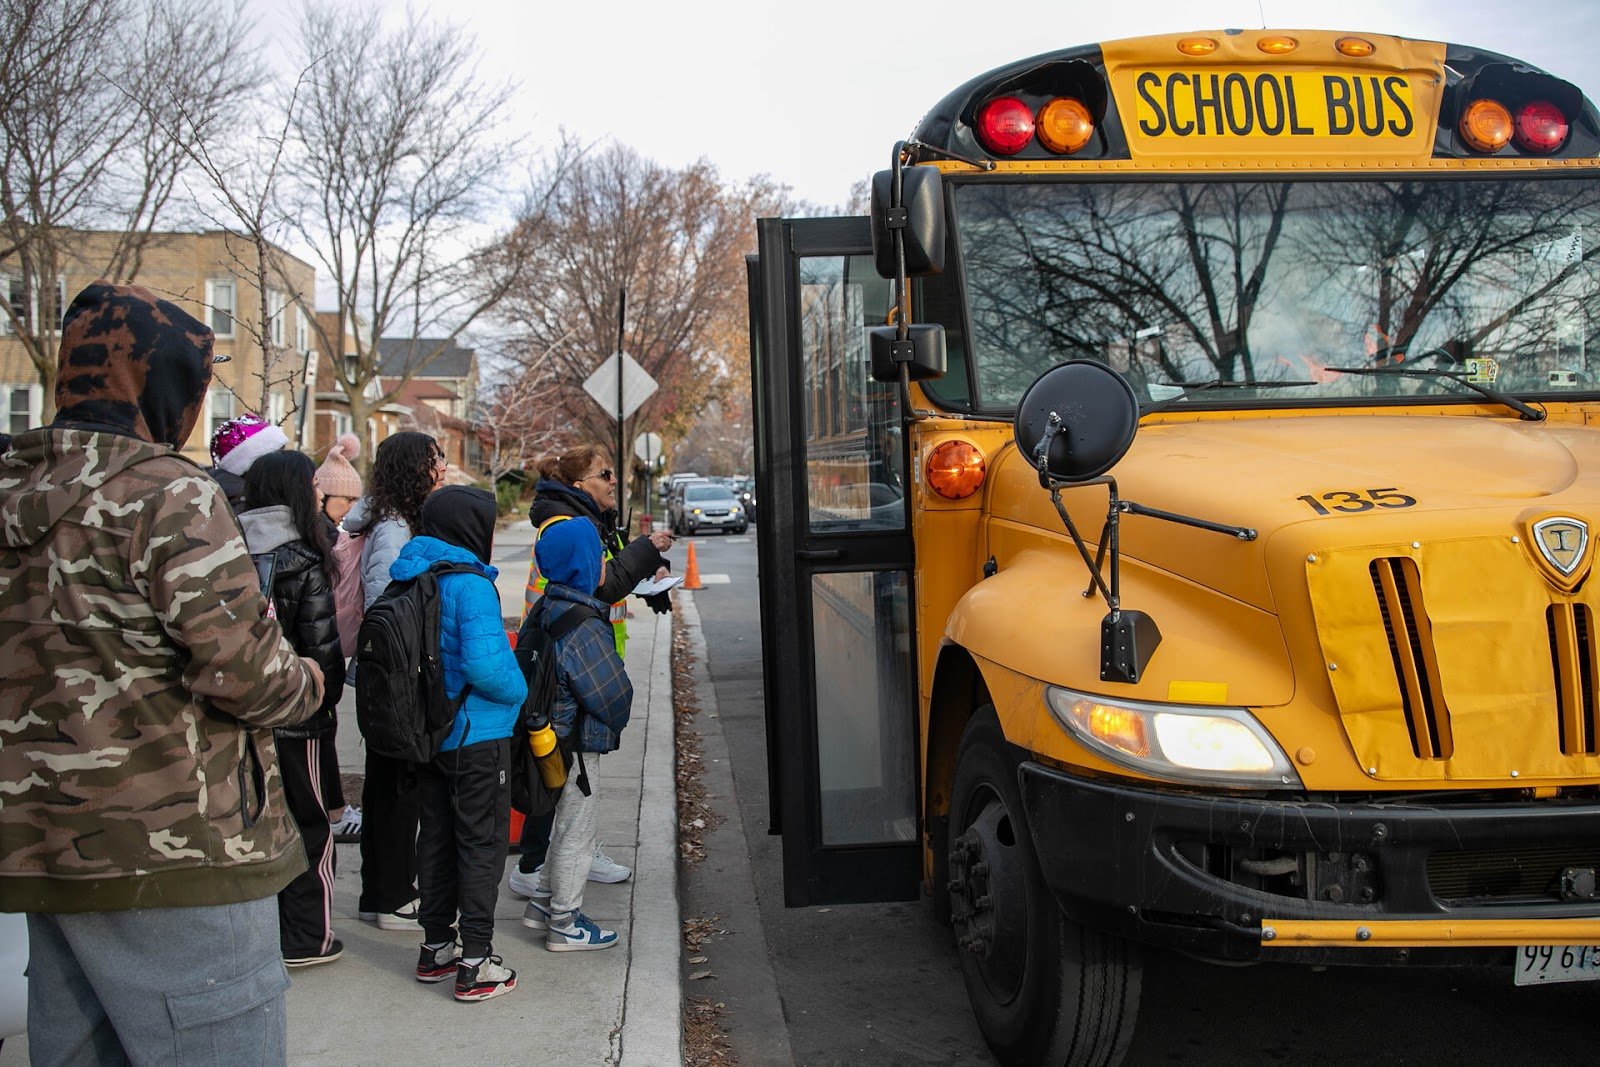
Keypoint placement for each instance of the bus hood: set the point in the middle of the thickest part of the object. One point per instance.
(1355, 479)
(1428, 574)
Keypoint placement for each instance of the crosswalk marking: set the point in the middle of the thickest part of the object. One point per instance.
(714, 579)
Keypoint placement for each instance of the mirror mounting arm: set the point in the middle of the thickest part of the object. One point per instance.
(902, 351)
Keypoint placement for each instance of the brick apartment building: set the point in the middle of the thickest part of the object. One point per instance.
(205, 274)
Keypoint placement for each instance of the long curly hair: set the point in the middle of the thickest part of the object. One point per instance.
(285, 477)
(402, 476)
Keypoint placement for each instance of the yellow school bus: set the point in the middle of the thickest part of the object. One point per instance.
(1177, 506)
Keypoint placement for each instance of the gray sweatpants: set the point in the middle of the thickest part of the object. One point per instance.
(572, 840)
(166, 985)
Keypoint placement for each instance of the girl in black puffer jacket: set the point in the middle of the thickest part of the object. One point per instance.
(292, 556)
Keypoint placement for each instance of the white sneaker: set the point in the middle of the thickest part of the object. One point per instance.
(605, 869)
(400, 919)
(526, 885)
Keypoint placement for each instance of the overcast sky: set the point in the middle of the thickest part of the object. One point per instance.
(815, 92)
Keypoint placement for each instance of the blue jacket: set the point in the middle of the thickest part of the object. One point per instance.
(589, 675)
(472, 642)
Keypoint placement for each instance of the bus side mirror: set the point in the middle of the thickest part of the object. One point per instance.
(919, 217)
(921, 353)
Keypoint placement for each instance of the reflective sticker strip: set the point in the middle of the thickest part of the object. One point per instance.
(1197, 692)
(1427, 933)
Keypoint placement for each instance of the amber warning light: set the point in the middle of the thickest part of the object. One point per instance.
(955, 469)
(1006, 125)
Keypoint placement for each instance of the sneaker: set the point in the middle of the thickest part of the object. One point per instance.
(577, 934)
(348, 828)
(399, 919)
(605, 869)
(526, 884)
(536, 916)
(488, 979)
(335, 950)
(437, 964)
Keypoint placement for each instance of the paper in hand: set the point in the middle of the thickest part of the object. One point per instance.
(652, 586)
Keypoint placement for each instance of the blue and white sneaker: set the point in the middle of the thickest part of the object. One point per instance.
(576, 933)
(536, 916)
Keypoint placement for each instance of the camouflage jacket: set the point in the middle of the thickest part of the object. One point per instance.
(142, 679)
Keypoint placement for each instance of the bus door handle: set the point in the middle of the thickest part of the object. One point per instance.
(818, 553)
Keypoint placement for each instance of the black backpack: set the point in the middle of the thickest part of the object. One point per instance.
(536, 656)
(401, 707)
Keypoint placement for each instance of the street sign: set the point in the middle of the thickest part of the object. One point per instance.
(637, 385)
(647, 446)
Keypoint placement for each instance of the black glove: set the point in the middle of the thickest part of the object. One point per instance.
(660, 603)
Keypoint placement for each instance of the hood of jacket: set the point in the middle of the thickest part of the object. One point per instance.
(48, 472)
(267, 528)
(552, 498)
(422, 552)
(359, 517)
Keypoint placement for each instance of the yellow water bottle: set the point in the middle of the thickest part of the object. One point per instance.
(552, 767)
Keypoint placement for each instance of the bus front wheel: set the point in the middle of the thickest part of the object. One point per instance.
(1045, 990)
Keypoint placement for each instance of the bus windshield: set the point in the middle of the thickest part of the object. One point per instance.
(1262, 290)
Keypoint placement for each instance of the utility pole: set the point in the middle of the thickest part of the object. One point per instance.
(622, 464)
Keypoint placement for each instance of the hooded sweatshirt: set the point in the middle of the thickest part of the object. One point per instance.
(472, 637)
(142, 674)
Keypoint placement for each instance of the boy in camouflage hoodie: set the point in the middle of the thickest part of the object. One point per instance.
(142, 825)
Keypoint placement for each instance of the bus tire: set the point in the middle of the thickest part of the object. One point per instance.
(1045, 990)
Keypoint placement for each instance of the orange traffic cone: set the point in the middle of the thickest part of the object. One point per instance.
(691, 571)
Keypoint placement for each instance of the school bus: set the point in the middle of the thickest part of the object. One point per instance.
(1177, 512)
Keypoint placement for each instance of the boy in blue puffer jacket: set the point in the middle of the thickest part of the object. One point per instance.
(593, 700)
(464, 790)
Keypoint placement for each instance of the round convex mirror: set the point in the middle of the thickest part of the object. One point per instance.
(1099, 417)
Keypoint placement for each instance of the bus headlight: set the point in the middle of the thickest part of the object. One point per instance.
(1214, 745)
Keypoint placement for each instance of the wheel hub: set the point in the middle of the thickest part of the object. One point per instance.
(988, 897)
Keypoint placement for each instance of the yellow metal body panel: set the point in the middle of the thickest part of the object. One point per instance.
(1428, 933)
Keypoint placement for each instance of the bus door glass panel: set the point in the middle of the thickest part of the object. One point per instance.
(861, 619)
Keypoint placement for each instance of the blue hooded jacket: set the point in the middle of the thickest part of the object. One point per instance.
(472, 641)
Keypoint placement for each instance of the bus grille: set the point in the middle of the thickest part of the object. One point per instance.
(1529, 871)
(1398, 586)
(1572, 657)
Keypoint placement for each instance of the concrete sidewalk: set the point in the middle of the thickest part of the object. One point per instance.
(619, 1006)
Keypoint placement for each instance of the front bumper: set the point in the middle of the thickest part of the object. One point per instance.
(1372, 882)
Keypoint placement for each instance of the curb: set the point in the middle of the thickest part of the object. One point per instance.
(652, 1005)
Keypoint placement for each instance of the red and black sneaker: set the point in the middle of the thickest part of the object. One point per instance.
(437, 964)
(488, 979)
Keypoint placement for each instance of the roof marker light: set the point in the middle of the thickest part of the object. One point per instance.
(1354, 46)
(1005, 125)
(1197, 46)
(1277, 46)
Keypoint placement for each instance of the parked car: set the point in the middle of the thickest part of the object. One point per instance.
(745, 490)
(706, 505)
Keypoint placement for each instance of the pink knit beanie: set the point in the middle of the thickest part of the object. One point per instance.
(336, 477)
(242, 440)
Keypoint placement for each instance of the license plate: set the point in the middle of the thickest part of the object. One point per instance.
(1548, 964)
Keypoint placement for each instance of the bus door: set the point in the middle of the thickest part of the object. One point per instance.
(836, 579)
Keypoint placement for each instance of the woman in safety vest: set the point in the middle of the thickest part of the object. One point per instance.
(581, 484)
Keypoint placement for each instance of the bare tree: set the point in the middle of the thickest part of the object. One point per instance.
(78, 82)
(675, 240)
(515, 421)
(395, 164)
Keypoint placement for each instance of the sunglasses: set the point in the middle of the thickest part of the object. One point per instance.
(604, 476)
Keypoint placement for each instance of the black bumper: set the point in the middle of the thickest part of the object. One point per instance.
(1197, 872)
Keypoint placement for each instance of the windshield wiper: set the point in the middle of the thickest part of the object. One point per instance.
(1191, 388)
(1525, 411)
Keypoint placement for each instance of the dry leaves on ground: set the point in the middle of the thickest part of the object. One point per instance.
(705, 1019)
(695, 817)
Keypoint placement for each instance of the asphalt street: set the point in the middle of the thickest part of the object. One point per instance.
(879, 983)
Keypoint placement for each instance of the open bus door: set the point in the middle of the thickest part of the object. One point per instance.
(836, 569)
